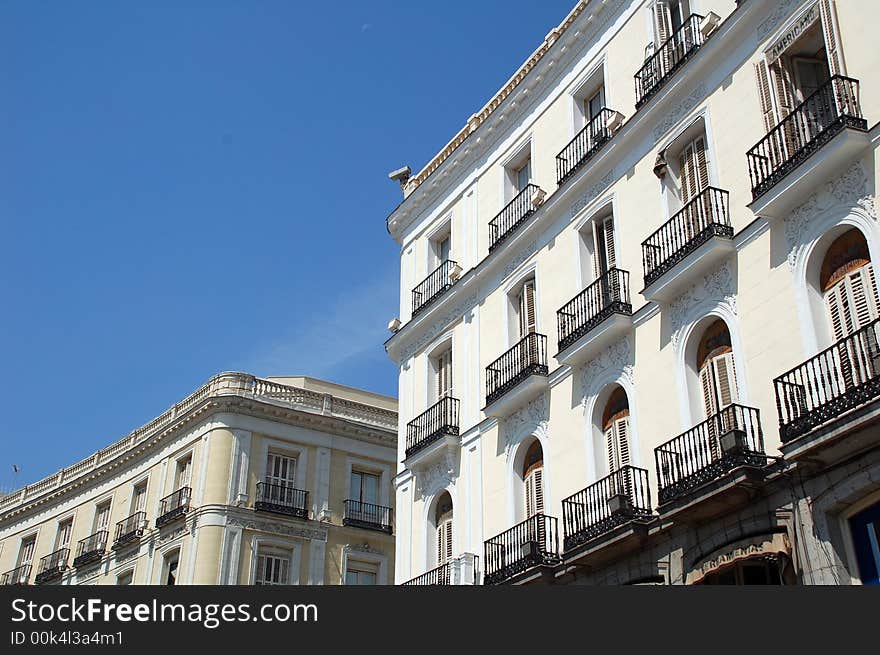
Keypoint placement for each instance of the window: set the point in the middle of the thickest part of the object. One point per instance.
(522, 176)
(533, 477)
(361, 573)
(849, 285)
(693, 169)
(443, 523)
(605, 253)
(125, 579)
(594, 104)
(364, 487)
(615, 425)
(26, 551)
(443, 368)
(443, 249)
(526, 309)
(668, 16)
(273, 568)
(183, 474)
(280, 469)
(169, 568)
(747, 572)
(62, 537)
(139, 498)
(102, 517)
(716, 369)
(865, 529)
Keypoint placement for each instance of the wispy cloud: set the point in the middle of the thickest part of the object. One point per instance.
(352, 325)
(366, 27)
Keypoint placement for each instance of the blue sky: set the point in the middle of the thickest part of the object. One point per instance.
(190, 187)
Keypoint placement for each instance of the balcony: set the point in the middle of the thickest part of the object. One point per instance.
(668, 58)
(368, 516)
(834, 384)
(440, 576)
(52, 566)
(130, 530)
(618, 499)
(729, 440)
(437, 423)
(829, 120)
(434, 286)
(174, 506)
(462, 570)
(514, 214)
(595, 317)
(532, 544)
(517, 376)
(282, 499)
(688, 245)
(91, 549)
(587, 143)
(17, 576)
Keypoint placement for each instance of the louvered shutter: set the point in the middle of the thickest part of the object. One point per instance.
(527, 309)
(611, 447)
(836, 301)
(725, 379)
(829, 30)
(616, 438)
(444, 374)
(764, 95)
(610, 254)
(701, 154)
(687, 166)
(864, 295)
(535, 492)
(709, 401)
(662, 22)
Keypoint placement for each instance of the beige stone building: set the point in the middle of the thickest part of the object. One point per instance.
(279, 481)
(638, 330)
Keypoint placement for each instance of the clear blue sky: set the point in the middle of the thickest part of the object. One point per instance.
(188, 187)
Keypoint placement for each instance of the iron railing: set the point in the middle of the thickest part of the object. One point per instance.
(668, 58)
(440, 420)
(130, 529)
(17, 576)
(827, 111)
(91, 549)
(619, 498)
(512, 216)
(838, 379)
(282, 499)
(435, 577)
(432, 287)
(528, 357)
(606, 296)
(582, 147)
(729, 439)
(174, 506)
(367, 515)
(704, 217)
(52, 566)
(534, 542)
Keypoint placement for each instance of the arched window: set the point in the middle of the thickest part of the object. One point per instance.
(443, 521)
(615, 426)
(849, 285)
(716, 370)
(533, 477)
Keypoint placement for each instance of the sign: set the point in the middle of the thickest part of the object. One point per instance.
(791, 35)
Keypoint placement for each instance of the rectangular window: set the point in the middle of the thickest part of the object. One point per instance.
(273, 569)
(62, 538)
(183, 474)
(125, 579)
(170, 568)
(361, 573)
(594, 104)
(139, 498)
(280, 470)
(26, 551)
(606, 257)
(365, 487)
(527, 316)
(693, 169)
(523, 176)
(444, 374)
(444, 249)
(102, 517)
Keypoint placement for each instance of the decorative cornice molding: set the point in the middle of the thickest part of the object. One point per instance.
(527, 420)
(849, 190)
(592, 193)
(277, 527)
(719, 285)
(678, 112)
(617, 359)
(781, 11)
(522, 256)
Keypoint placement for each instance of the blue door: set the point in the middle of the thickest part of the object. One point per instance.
(865, 528)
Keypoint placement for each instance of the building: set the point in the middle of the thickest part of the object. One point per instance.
(638, 330)
(246, 481)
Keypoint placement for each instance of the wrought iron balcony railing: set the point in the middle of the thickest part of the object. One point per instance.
(668, 58)
(587, 143)
(513, 215)
(282, 499)
(526, 358)
(441, 576)
(174, 506)
(130, 529)
(435, 285)
(729, 439)
(619, 498)
(91, 549)
(534, 542)
(703, 218)
(606, 296)
(17, 576)
(440, 420)
(52, 566)
(367, 515)
(809, 126)
(838, 379)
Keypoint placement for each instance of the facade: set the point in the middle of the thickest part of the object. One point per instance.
(246, 481)
(638, 330)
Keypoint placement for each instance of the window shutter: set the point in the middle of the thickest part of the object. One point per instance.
(621, 426)
(864, 296)
(837, 311)
(725, 379)
(764, 95)
(527, 309)
(608, 232)
(535, 492)
(701, 154)
(709, 401)
(444, 374)
(662, 23)
(611, 447)
(782, 89)
(539, 490)
(687, 166)
(829, 30)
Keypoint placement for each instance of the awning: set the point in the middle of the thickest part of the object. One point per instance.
(758, 546)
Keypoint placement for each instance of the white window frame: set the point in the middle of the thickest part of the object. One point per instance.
(269, 543)
(584, 89)
(511, 293)
(287, 449)
(370, 466)
(350, 554)
(510, 166)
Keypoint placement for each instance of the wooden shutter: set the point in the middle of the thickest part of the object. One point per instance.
(617, 440)
(764, 95)
(610, 254)
(865, 303)
(662, 22)
(102, 518)
(701, 154)
(829, 31)
(535, 492)
(782, 89)
(709, 401)
(527, 319)
(444, 374)
(725, 379)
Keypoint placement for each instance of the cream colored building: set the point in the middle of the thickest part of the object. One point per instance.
(246, 481)
(638, 329)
